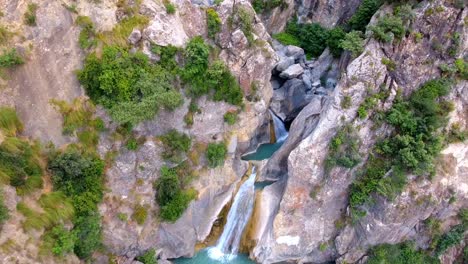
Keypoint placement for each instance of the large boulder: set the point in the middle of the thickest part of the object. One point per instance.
(292, 72)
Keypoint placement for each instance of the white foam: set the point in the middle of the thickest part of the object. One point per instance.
(216, 254)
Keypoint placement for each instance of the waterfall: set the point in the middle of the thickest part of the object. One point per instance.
(280, 130)
(238, 216)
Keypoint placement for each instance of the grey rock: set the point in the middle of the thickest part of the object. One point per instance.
(292, 71)
(306, 78)
(134, 37)
(294, 51)
(284, 63)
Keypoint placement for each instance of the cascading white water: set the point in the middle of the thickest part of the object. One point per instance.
(238, 216)
(281, 133)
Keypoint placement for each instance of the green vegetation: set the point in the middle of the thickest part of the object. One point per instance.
(216, 154)
(170, 196)
(127, 85)
(119, 34)
(334, 39)
(79, 176)
(213, 22)
(311, 37)
(344, 149)
(149, 257)
(58, 240)
(287, 39)
(363, 14)
(244, 19)
(10, 59)
(87, 35)
(402, 253)
(410, 149)
(10, 124)
(4, 213)
(30, 15)
(353, 42)
(346, 102)
(176, 144)
(170, 8)
(453, 237)
(5, 35)
(230, 118)
(140, 213)
(388, 28)
(132, 144)
(391, 65)
(261, 6)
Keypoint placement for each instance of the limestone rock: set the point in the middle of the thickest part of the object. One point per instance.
(134, 37)
(284, 63)
(292, 72)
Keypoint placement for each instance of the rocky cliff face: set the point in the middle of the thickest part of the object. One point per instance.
(303, 223)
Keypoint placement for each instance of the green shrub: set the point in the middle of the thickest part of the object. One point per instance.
(30, 15)
(363, 14)
(10, 59)
(213, 22)
(287, 39)
(413, 146)
(167, 186)
(216, 154)
(10, 124)
(4, 212)
(119, 34)
(230, 118)
(344, 149)
(170, 8)
(246, 22)
(353, 42)
(312, 37)
(224, 83)
(149, 257)
(388, 28)
(261, 6)
(59, 240)
(335, 37)
(128, 85)
(140, 213)
(177, 206)
(196, 56)
(346, 102)
(453, 237)
(88, 233)
(5, 35)
(175, 145)
(403, 253)
(86, 38)
(132, 144)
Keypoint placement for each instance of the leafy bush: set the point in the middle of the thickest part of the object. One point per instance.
(312, 37)
(363, 14)
(261, 6)
(411, 149)
(59, 240)
(213, 22)
(344, 149)
(87, 34)
(216, 154)
(88, 233)
(353, 42)
(403, 253)
(388, 28)
(5, 35)
(170, 8)
(149, 257)
(196, 64)
(335, 37)
(225, 85)
(30, 15)
(132, 144)
(452, 238)
(230, 118)
(128, 85)
(4, 213)
(10, 58)
(175, 144)
(391, 65)
(176, 207)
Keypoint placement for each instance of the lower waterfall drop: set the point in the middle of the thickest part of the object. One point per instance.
(238, 217)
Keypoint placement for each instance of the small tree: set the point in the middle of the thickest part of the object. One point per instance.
(216, 154)
(353, 43)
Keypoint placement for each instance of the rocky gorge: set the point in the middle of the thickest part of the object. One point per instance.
(303, 214)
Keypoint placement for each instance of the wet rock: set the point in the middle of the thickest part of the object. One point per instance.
(292, 71)
(134, 37)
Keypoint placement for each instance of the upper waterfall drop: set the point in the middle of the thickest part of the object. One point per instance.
(238, 217)
(281, 133)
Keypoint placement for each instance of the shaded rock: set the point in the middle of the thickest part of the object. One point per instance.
(292, 71)
(294, 51)
(284, 63)
(134, 37)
